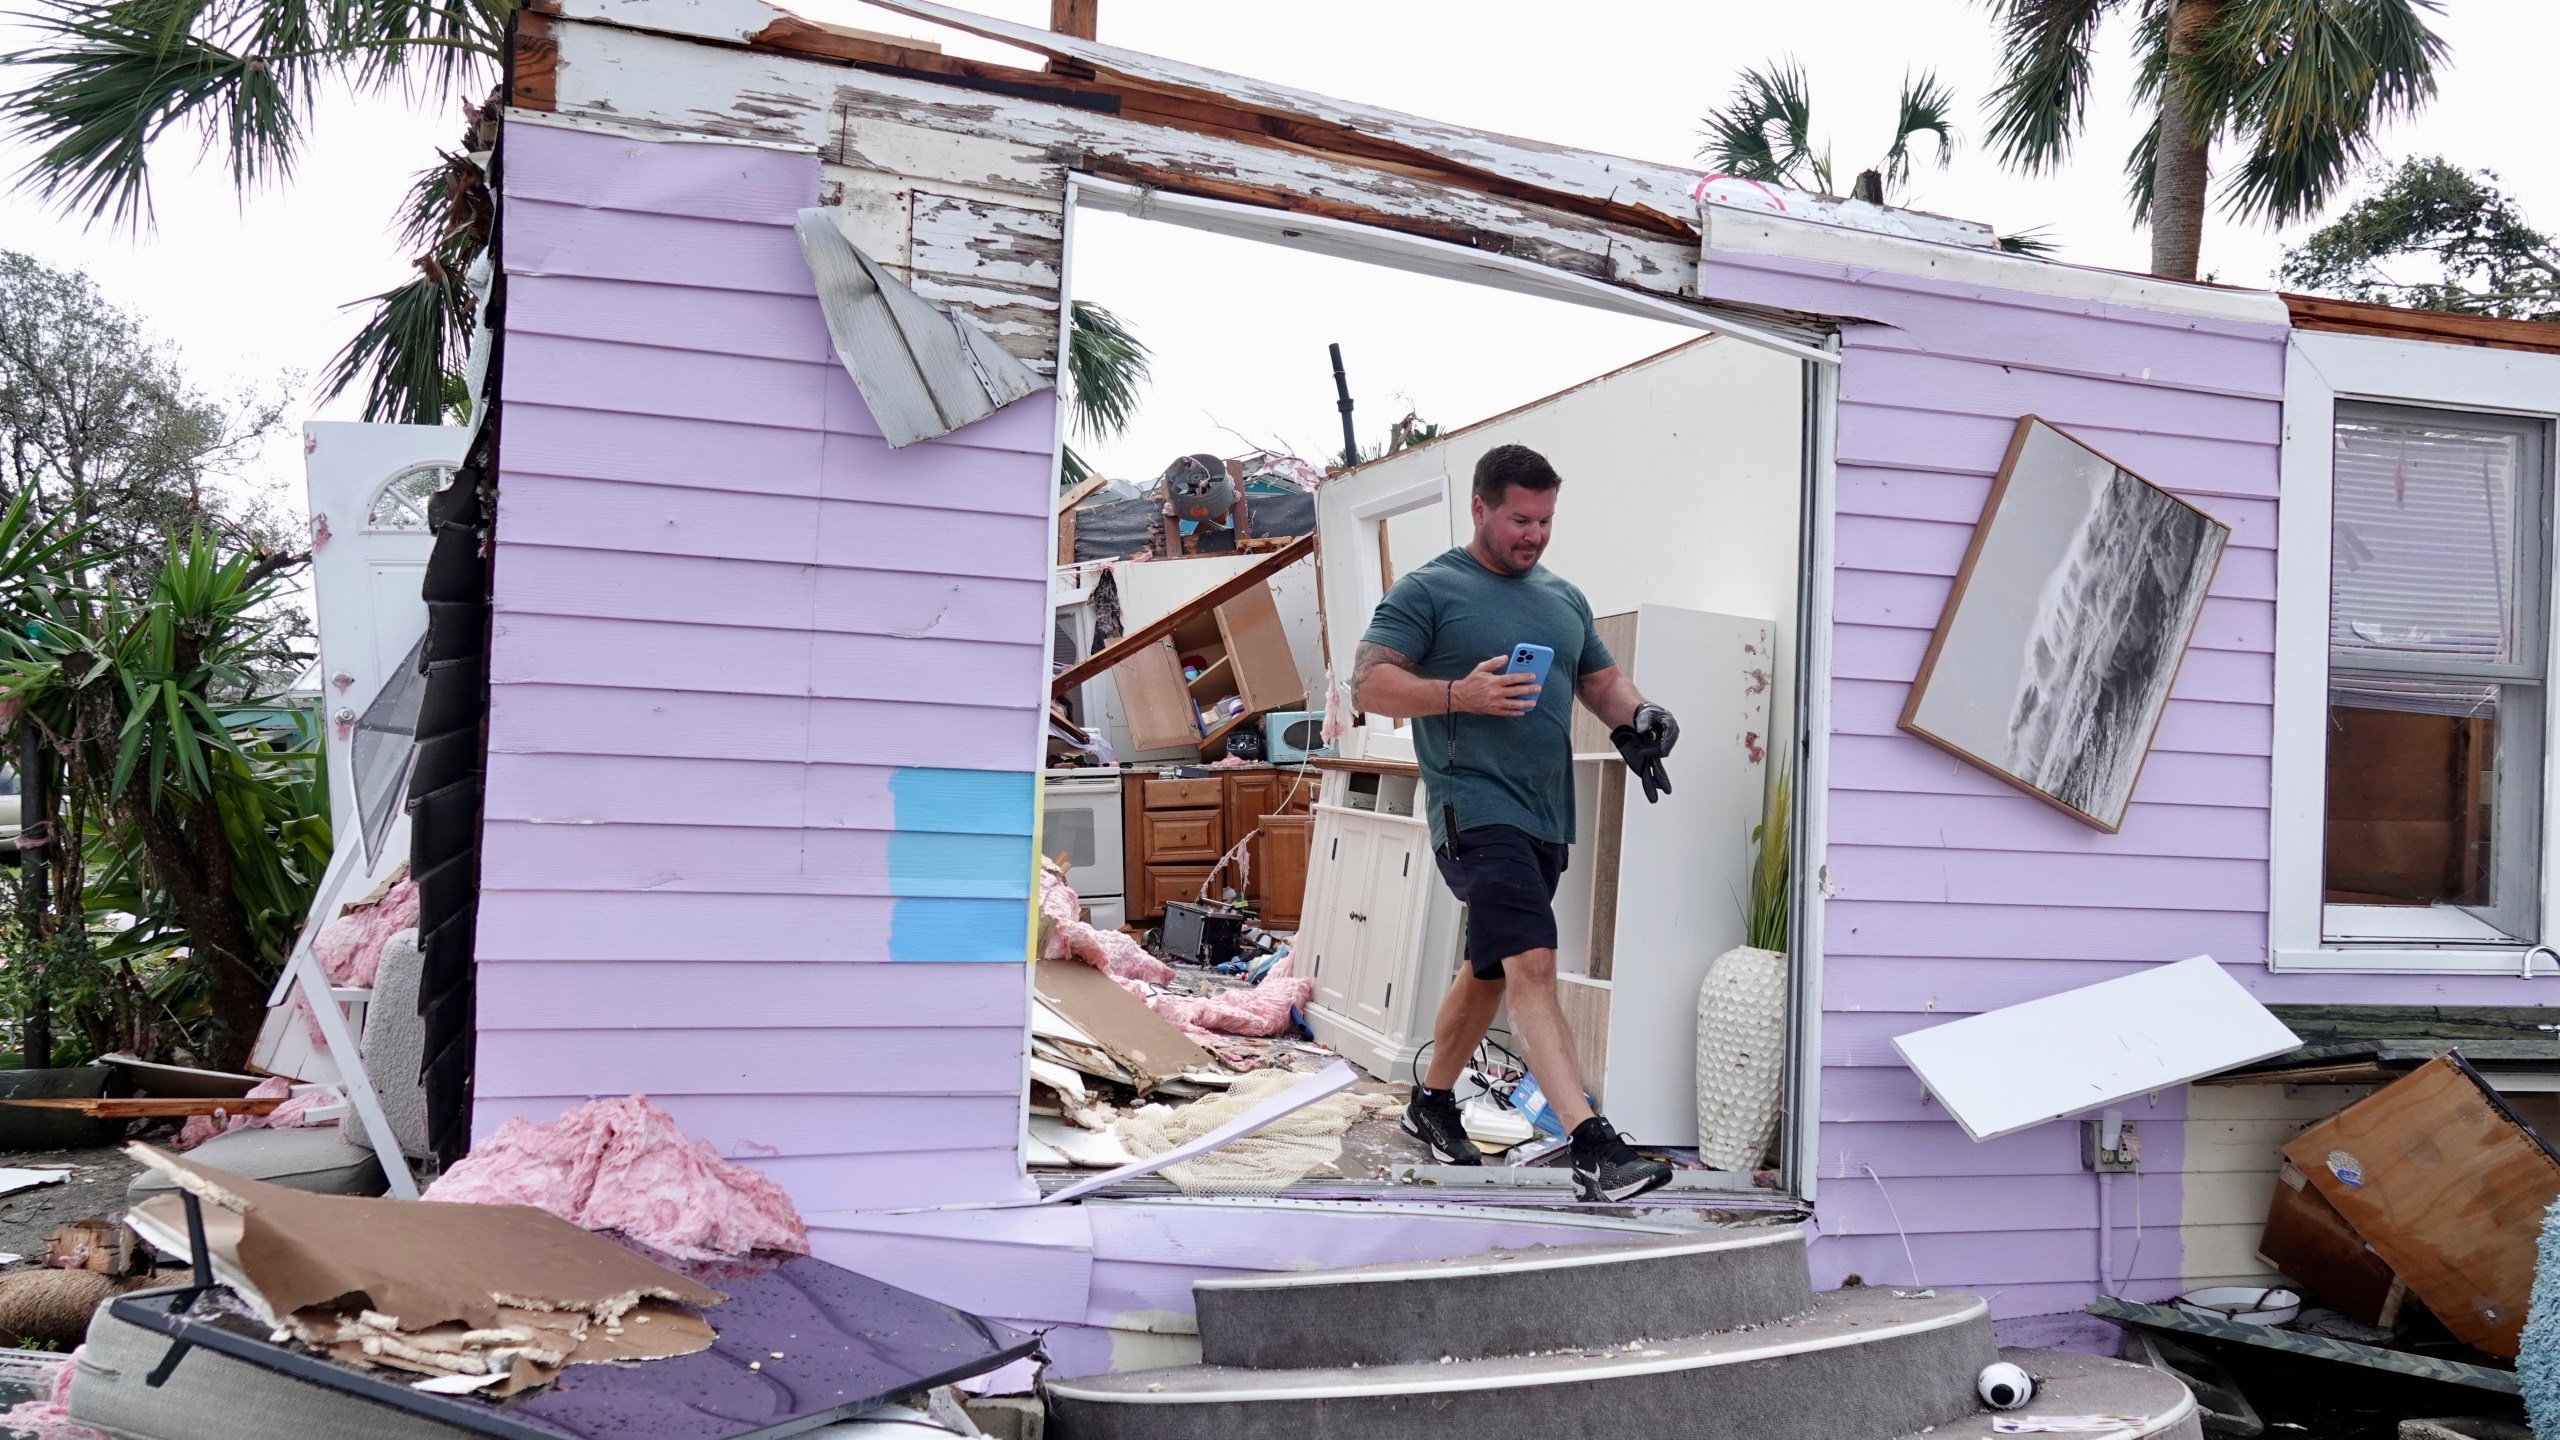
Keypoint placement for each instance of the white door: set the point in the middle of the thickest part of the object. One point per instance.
(1389, 939)
(1338, 877)
(369, 486)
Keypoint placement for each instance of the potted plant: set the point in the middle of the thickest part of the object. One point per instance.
(1742, 1008)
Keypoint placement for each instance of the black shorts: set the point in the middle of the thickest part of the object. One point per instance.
(1507, 878)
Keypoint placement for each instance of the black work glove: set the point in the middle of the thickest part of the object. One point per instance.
(1653, 721)
(1643, 753)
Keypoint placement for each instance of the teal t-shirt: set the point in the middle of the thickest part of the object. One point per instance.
(1448, 617)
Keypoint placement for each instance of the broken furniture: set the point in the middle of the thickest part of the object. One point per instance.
(1717, 1333)
(2448, 1186)
(1234, 630)
(58, 1127)
(1178, 827)
(798, 1342)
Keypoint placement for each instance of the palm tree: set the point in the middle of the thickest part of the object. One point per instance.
(109, 79)
(1765, 133)
(1106, 367)
(2299, 85)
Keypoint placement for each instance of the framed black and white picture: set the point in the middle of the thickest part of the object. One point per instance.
(2053, 660)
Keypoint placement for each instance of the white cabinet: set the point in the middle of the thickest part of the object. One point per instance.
(1369, 883)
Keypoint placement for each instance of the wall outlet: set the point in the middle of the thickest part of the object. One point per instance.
(2119, 1161)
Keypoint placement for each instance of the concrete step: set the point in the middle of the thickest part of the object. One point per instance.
(1510, 1302)
(2072, 1384)
(1862, 1365)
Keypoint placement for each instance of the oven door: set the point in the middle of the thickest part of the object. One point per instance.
(1082, 822)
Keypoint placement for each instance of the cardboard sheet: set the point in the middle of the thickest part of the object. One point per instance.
(425, 1262)
(1144, 1043)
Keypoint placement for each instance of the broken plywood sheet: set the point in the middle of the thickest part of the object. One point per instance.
(2448, 1187)
(2315, 1247)
(1144, 1044)
(2008, 1070)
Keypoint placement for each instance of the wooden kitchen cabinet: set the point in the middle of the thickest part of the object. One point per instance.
(1287, 842)
(1243, 651)
(1179, 827)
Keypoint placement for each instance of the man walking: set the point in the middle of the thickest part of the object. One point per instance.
(1497, 764)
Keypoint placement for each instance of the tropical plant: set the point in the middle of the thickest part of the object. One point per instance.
(2299, 86)
(109, 79)
(1765, 917)
(1765, 132)
(203, 831)
(2437, 237)
(1106, 368)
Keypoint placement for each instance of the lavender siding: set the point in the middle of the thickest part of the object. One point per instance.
(763, 699)
(1957, 894)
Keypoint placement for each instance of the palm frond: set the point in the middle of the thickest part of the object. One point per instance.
(1106, 368)
(1928, 107)
(407, 350)
(112, 78)
(2036, 241)
(2042, 99)
(2308, 82)
(1765, 131)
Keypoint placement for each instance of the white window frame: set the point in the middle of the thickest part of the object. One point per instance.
(2321, 370)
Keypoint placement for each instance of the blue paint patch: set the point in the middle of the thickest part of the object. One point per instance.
(961, 930)
(960, 864)
(964, 802)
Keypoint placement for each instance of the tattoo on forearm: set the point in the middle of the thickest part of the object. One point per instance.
(1369, 657)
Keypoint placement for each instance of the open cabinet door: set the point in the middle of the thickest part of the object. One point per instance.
(1372, 525)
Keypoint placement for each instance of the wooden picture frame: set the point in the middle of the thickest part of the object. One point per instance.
(2070, 617)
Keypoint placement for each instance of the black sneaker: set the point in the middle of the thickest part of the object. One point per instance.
(1432, 1118)
(1607, 1170)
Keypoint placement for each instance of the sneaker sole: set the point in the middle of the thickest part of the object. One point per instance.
(1434, 1151)
(1587, 1189)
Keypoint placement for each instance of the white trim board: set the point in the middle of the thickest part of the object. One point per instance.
(2321, 369)
(1373, 245)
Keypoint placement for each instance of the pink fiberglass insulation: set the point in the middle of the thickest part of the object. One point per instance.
(1109, 951)
(287, 1116)
(1262, 1010)
(50, 1417)
(350, 947)
(625, 1165)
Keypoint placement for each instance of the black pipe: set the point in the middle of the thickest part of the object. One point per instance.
(1342, 402)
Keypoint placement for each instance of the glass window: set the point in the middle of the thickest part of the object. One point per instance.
(401, 503)
(2438, 566)
(386, 740)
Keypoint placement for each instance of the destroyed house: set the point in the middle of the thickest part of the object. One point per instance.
(765, 695)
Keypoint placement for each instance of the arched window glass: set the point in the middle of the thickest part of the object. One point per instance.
(401, 503)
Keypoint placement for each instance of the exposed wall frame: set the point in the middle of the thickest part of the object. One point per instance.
(2321, 369)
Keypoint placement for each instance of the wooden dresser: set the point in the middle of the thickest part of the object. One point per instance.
(1177, 827)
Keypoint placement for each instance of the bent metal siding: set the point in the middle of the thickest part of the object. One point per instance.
(763, 701)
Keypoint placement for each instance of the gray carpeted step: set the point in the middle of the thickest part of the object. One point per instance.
(1864, 1363)
(2073, 1384)
(1510, 1302)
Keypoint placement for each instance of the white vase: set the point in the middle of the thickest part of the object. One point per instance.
(1742, 1056)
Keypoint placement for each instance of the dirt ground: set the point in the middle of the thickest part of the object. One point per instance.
(95, 1190)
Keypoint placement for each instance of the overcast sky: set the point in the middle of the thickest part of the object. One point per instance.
(250, 290)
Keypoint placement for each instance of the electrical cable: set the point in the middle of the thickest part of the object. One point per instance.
(1890, 1209)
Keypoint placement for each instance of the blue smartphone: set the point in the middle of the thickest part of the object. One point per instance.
(1531, 660)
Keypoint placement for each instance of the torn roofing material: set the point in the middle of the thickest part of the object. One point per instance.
(923, 369)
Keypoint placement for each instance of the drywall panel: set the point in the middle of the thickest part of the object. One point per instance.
(2095, 1046)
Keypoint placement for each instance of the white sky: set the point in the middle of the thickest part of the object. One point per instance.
(249, 290)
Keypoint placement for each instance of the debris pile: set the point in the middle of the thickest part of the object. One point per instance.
(625, 1165)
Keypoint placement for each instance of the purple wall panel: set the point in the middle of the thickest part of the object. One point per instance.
(1957, 893)
(615, 172)
(1034, 1263)
(690, 883)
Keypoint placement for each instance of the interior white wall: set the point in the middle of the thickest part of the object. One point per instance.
(1683, 486)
